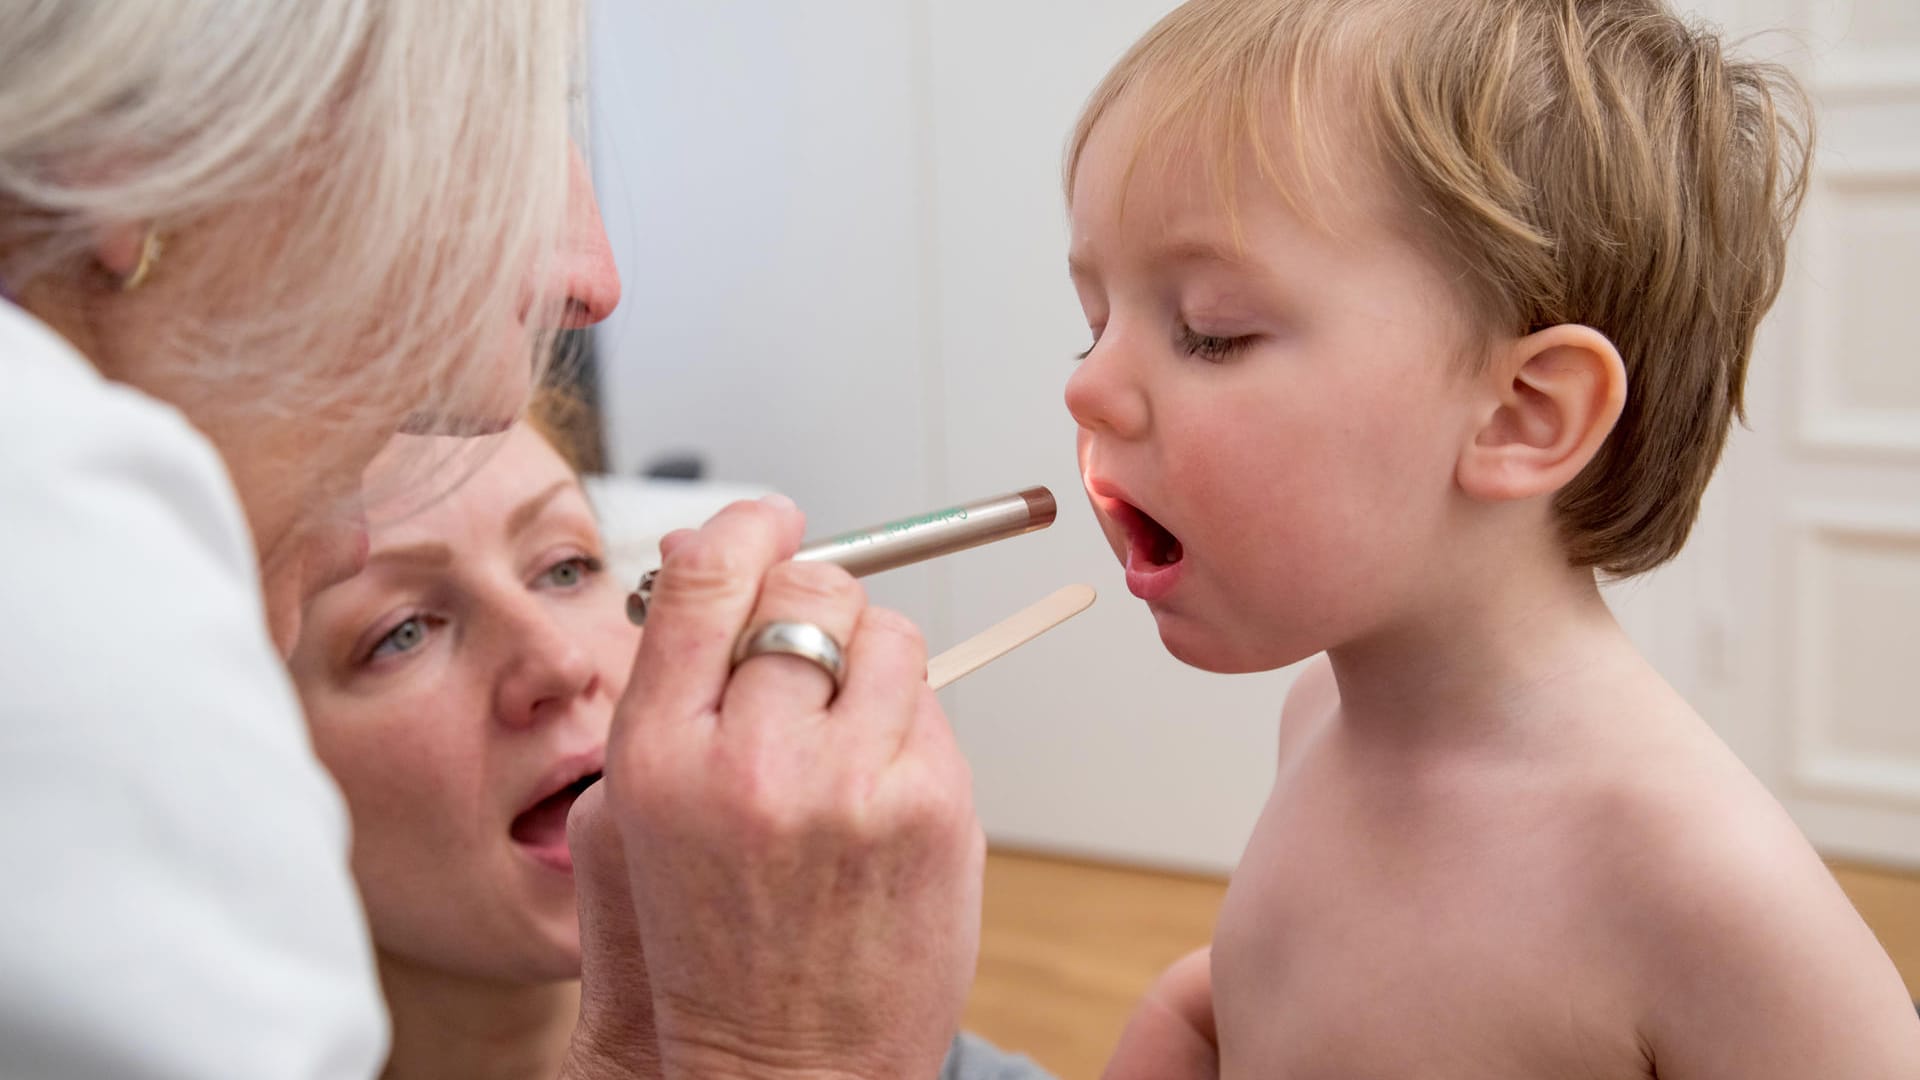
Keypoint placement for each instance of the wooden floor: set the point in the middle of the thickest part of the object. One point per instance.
(1068, 947)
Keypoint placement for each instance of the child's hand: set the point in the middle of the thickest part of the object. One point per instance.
(1171, 1035)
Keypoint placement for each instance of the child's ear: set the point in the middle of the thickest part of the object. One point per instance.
(1556, 395)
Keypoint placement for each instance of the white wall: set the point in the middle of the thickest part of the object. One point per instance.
(843, 241)
(758, 172)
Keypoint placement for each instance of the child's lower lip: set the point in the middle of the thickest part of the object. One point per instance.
(1152, 581)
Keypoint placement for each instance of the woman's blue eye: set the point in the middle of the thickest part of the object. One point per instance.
(568, 573)
(1209, 347)
(403, 638)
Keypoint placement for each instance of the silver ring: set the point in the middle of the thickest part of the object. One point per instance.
(804, 640)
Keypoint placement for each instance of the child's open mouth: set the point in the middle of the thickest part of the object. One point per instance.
(542, 827)
(1154, 554)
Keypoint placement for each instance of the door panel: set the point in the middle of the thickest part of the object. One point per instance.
(1824, 537)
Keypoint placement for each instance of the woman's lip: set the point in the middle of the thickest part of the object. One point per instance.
(558, 857)
(547, 845)
(564, 773)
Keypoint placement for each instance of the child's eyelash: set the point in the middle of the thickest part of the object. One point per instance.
(1209, 347)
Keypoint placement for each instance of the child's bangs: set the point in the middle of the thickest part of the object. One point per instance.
(1242, 90)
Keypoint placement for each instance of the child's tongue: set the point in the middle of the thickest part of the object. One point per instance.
(1153, 545)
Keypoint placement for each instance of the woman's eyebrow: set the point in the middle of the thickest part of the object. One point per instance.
(524, 514)
(429, 553)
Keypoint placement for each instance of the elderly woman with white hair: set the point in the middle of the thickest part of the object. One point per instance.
(242, 243)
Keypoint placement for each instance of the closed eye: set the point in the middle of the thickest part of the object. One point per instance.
(1209, 347)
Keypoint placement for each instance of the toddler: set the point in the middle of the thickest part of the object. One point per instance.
(1412, 318)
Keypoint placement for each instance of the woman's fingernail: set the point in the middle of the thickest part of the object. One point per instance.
(780, 502)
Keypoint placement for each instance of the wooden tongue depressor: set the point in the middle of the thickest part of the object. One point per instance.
(1007, 635)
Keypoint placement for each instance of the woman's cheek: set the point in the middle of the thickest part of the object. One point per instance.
(619, 642)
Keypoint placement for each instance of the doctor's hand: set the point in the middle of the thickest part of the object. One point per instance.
(804, 858)
(614, 1036)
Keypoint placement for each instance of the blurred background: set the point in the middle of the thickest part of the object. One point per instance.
(841, 230)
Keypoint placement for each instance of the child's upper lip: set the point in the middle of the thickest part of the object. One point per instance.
(1106, 492)
(1119, 505)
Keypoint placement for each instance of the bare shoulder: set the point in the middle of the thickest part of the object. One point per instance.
(1747, 957)
(1311, 702)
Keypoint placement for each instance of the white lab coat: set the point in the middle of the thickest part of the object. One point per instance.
(175, 898)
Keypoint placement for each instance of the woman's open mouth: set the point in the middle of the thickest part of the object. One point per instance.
(541, 829)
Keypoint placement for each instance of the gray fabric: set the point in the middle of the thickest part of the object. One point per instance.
(974, 1058)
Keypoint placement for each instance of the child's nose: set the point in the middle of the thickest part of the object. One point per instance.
(1103, 395)
(545, 669)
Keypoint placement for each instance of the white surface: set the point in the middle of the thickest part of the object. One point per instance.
(177, 901)
(842, 230)
(635, 513)
(756, 167)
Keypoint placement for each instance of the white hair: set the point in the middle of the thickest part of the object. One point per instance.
(357, 192)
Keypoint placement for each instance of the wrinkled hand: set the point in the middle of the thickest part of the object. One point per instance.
(1171, 1035)
(805, 867)
(615, 1035)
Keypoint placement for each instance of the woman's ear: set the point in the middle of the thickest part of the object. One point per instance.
(1556, 395)
(117, 247)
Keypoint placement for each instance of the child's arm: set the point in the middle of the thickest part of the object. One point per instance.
(1171, 1035)
(1770, 974)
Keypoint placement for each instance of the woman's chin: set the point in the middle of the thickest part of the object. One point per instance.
(564, 965)
(552, 956)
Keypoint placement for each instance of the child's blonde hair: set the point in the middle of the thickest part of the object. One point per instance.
(1597, 162)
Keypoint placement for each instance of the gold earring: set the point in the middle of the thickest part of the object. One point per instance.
(150, 248)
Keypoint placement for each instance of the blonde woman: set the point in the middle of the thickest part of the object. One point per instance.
(243, 242)
(460, 690)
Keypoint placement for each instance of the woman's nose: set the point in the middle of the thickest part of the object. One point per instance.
(588, 280)
(544, 669)
(1104, 394)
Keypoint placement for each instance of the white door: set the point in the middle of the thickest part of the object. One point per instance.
(1819, 590)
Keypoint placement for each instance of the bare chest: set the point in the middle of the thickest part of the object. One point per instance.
(1356, 943)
